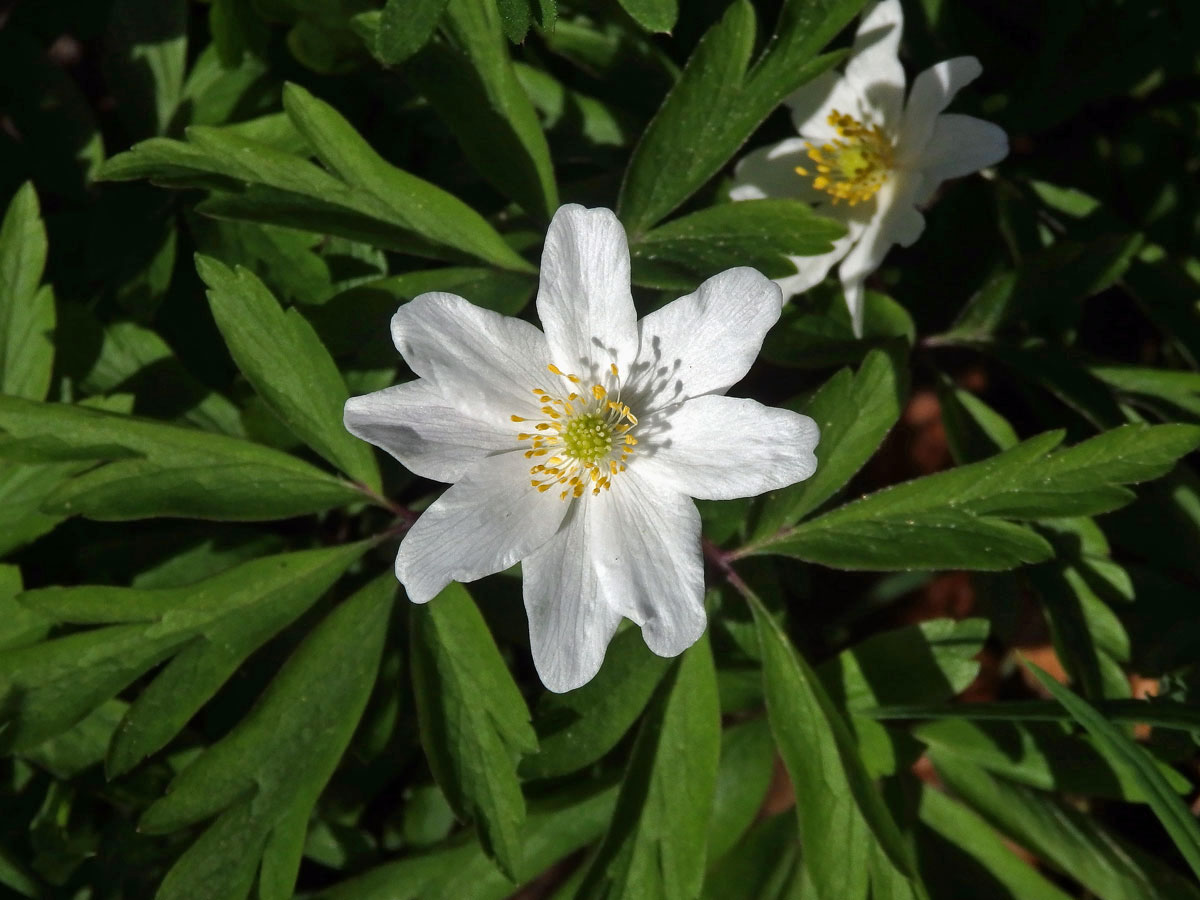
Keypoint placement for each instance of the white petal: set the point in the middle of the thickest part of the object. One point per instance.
(430, 436)
(771, 172)
(647, 554)
(570, 622)
(704, 342)
(484, 363)
(584, 300)
(811, 270)
(874, 69)
(485, 523)
(718, 448)
(812, 103)
(932, 92)
(959, 146)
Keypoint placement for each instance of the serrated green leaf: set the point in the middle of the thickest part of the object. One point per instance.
(1065, 838)
(577, 728)
(1123, 753)
(404, 28)
(952, 519)
(209, 628)
(19, 625)
(426, 210)
(1032, 754)
(720, 99)
(26, 310)
(474, 722)
(965, 830)
(757, 233)
(364, 199)
(555, 827)
(285, 361)
(855, 412)
(264, 777)
(656, 843)
(1159, 713)
(653, 15)
(178, 472)
(517, 15)
(762, 866)
(146, 51)
(842, 816)
(474, 88)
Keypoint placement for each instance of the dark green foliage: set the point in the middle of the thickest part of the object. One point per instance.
(931, 652)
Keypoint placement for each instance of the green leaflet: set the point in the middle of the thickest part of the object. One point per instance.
(358, 195)
(720, 99)
(281, 355)
(209, 628)
(264, 777)
(402, 28)
(176, 471)
(756, 233)
(855, 411)
(656, 842)
(956, 519)
(474, 722)
(1123, 753)
(844, 822)
(579, 727)
(554, 828)
(472, 83)
(145, 61)
(1067, 839)
(26, 310)
(653, 15)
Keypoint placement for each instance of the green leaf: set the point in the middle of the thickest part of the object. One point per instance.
(764, 865)
(953, 519)
(146, 59)
(656, 843)
(209, 627)
(1159, 713)
(474, 88)
(26, 311)
(474, 722)
(281, 355)
(855, 411)
(653, 15)
(757, 233)
(1065, 838)
(426, 210)
(974, 430)
(404, 28)
(361, 197)
(555, 827)
(815, 331)
(178, 472)
(264, 777)
(517, 15)
(579, 727)
(969, 833)
(842, 817)
(1124, 754)
(19, 625)
(720, 99)
(743, 777)
(137, 360)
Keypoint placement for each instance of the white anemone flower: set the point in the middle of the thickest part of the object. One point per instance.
(576, 450)
(868, 158)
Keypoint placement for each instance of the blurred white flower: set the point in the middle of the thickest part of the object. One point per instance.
(576, 450)
(868, 158)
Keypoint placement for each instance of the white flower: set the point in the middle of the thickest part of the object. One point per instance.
(867, 157)
(576, 450)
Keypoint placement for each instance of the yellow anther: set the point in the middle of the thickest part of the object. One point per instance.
(599, 392)
(555, 369)
(518, 419)
(854, 165)
(613, 368)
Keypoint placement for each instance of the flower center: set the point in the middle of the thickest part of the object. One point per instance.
(855, 165)
(584, 439)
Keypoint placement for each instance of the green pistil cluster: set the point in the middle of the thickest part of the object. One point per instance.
(588, 438)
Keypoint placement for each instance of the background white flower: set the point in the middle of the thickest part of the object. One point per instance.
(868, 158)
(577, 450)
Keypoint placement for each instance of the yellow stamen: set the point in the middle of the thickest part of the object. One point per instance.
(854, 165)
